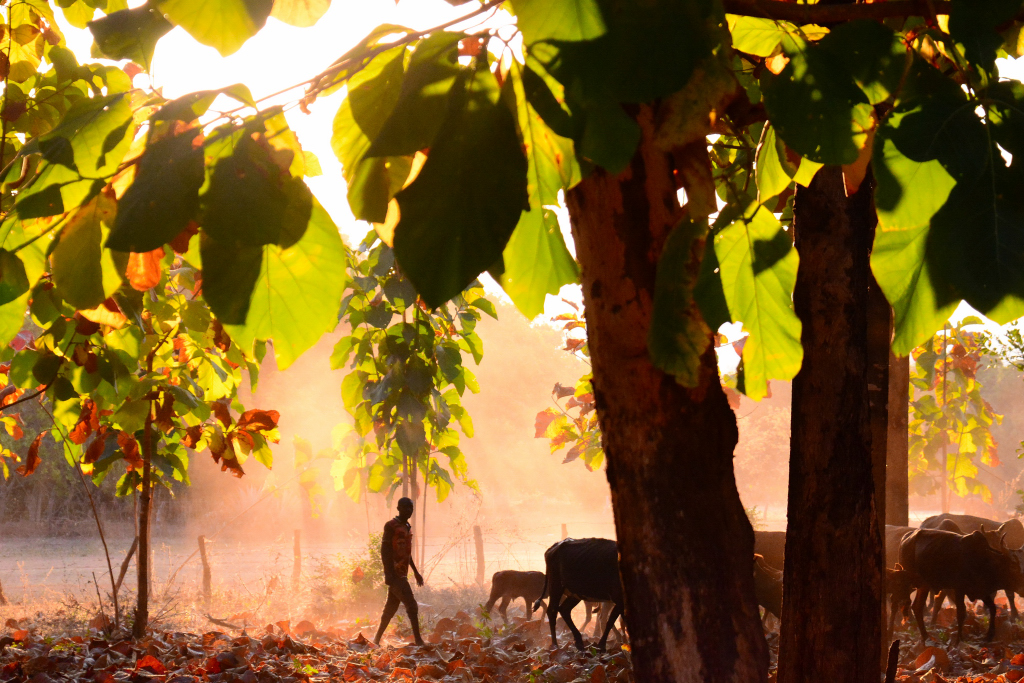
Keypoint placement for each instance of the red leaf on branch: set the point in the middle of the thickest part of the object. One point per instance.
(130, 446)
(221, 412)
(98, 445)
(543, 419)
(192, 436)
(258, 420)
(32, 460)
(180, 243)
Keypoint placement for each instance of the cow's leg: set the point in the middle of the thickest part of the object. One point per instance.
(529, 607)
(616, 611)
(588, 607)
(1011, 597)
(918, 609)
(503, 608)
(938, 600)
(565, 609)
(961, 613)
(554, 596)
(990, 602)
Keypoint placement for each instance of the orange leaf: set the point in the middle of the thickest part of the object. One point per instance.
(285, 626)
(99, 622)
(304, 627)
(33, 460)
(221, 412)
(152, 663)
(130, 447)
(144, 269)
(19, 635)
(358, 575)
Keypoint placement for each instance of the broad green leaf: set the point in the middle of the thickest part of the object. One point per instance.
(12, 318)
(373, 93)
(678, 335)
(815, 106)
(976, 24)
(774, 171)
(456, 218)
(761, 37)
(164, 196)
(758, 271)
(83, 272)
(230, 273)
(130, 34)
(222, 24)
(302, 13)
(297, 294)
(874, 55)
(251, 201)
(537, 262)
(558, 20)
(423, 101)
(13, 278)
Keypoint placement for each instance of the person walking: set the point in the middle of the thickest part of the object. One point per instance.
(396, 555)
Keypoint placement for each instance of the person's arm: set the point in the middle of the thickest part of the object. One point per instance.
(415, 572)
(387, 554)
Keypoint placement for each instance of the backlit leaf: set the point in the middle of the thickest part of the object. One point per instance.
(297, 292)
(455, 219)
(301, 13)
(130, 34)
(558, 19)
(221, 24)
(83, 272)
(758, 271)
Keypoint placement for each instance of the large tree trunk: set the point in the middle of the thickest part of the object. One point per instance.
(897, 484)
(685, 543)
(879, 343)
(831, 622)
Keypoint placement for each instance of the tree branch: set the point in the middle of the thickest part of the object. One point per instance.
(827, 14)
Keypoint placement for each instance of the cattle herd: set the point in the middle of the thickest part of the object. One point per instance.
(949, 557)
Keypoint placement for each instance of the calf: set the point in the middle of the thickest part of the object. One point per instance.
(768, 587)
(966, 565)
(581, 569)
(511, 584)
(1013, 529)
(897, 588)
(771, 546)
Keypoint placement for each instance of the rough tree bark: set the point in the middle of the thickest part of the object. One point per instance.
(879, 341)
(685, 543)
(831, 622)
(897, 484)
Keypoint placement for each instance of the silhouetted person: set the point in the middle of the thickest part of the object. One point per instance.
(396, 554)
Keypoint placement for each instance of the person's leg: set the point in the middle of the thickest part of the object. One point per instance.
(411, 608)
(390, 607)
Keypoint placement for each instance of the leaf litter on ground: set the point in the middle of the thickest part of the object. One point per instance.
(457, 651)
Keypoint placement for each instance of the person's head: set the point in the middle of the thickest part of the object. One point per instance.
(405, 507)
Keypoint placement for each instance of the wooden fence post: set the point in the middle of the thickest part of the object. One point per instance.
(479, 538)
(565, 532)
(207, 579)
(297, 568)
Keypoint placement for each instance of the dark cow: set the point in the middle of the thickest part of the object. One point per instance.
(581, 569)
(893, 536)
(771, 545)
(768, 587)
(939, 560)
(997, 540)
(897, 588)
(509, 585)
(1013, 529)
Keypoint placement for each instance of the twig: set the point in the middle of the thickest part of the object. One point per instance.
(96, 516)
(225, 624)
(126, 564)
(96, 585)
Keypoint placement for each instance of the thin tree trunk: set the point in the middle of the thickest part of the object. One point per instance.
(831, 621)
(897, 484)
(685, 543)
(145, 508)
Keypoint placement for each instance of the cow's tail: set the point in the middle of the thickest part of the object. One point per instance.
(543, 594)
